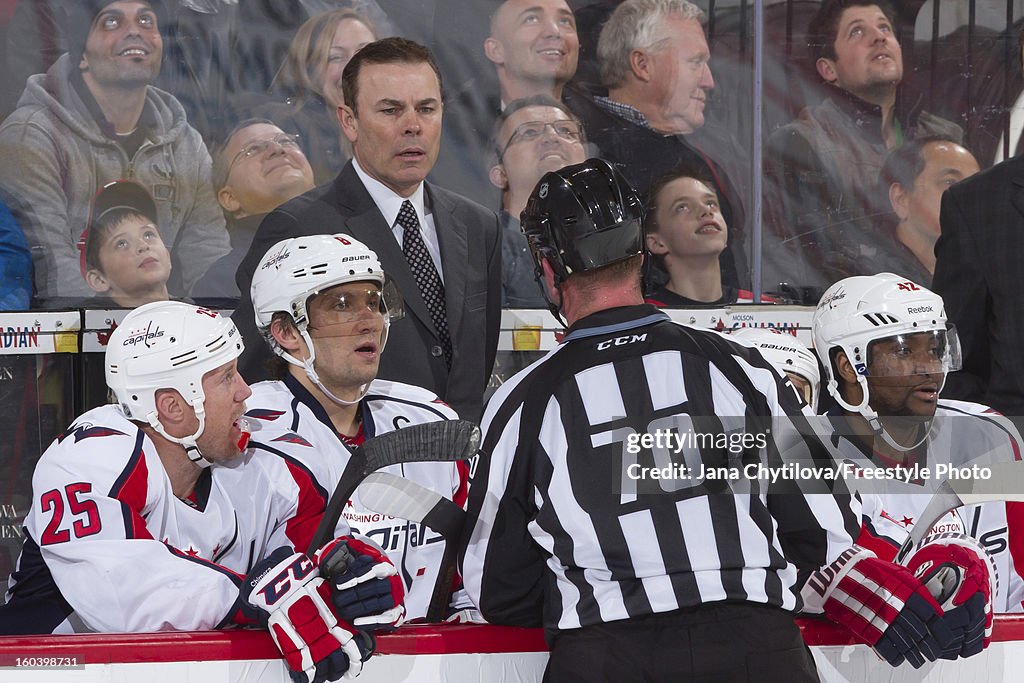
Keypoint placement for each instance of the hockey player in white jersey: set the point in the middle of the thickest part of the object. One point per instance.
(789, 356)
(152, 515)
(324, 305)
(886, 348)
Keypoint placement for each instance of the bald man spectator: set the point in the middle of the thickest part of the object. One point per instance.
(916, 176)
(822, 170)
(94, 118)
(257, 168)
(531, 49)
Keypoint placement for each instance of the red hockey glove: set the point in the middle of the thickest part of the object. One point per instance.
(316, 646)
(883, 605)
(961, 576)
(365, 587)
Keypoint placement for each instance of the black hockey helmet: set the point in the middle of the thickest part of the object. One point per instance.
(583, 217)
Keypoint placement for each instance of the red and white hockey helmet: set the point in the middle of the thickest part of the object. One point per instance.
(168, 345)
(858, 312)
(787, 354)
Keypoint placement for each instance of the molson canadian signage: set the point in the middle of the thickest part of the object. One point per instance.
(39, 332)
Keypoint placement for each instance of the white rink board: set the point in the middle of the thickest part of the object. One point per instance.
(836, 664)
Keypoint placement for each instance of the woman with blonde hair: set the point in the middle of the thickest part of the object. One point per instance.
(310, 80)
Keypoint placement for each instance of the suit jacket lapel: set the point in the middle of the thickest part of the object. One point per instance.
(452, 236)
(364, 222)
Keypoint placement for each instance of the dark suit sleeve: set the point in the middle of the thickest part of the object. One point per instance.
(960, 281)
(277, 226)
(494, 292)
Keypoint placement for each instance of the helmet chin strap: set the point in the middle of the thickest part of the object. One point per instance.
(308, 366)
(556, 309)
(188, 442)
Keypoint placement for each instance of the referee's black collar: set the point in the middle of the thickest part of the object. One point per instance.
(613, 320)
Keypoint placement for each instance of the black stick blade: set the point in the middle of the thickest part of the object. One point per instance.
(444, 440)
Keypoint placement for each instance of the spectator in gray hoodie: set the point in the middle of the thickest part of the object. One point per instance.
(94, 117)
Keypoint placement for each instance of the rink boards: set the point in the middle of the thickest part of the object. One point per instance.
(442, 653)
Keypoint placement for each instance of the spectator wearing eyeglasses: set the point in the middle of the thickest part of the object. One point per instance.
(532, 136)
(257, 168)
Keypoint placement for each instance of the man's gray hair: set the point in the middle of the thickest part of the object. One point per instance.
(636, 24)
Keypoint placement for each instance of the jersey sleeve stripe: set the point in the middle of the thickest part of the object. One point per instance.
(1015, 541)
(312, 501)
(131, 488)
(461, 493)
(295, 466)
(234, 577)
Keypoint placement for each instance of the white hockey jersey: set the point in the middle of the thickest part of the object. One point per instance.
(109, 548)
(962, 435)
(296, 427)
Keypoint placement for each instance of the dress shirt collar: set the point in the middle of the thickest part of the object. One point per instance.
(388, 202)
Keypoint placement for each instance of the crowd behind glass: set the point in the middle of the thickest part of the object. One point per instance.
(222, 110)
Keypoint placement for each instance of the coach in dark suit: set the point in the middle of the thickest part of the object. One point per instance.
(448, 270)
(977, 273)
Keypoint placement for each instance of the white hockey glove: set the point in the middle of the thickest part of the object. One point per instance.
(284, 591)
(961, 576)
(470, 615)
(882, 604)
(366, 589)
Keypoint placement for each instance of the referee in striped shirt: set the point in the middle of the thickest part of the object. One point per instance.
(686, 578)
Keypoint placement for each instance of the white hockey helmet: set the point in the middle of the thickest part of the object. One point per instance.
(787, 354)
(858, 311)
(296, 269)
(168, 345)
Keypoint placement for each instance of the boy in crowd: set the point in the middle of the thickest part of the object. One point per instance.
(124, 257)
(686, 233)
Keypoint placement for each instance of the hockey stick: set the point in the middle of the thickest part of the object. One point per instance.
(1006, 483)
(390, 494)
(443, 441)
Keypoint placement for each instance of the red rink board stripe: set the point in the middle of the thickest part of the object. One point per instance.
(434, 639)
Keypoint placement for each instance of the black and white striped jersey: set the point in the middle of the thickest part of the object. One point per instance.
(563, 533)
